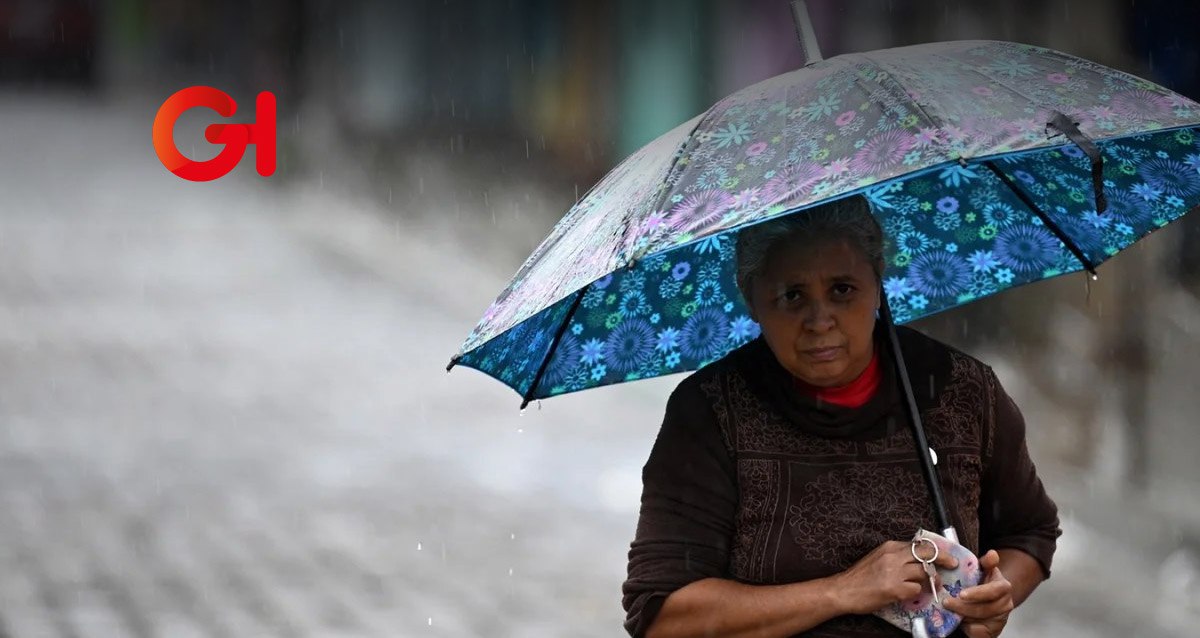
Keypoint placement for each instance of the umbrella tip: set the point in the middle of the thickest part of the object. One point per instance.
(805, 32)
(453, 362)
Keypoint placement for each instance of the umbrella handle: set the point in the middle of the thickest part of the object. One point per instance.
(927, 467)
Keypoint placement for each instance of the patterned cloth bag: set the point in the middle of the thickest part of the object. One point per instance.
(924, 616)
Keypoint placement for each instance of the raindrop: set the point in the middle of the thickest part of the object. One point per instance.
(510, 571)
(522, 413)
(520, 430)
(1095, 277)
(418, 546)
(513, 536)
(389, 194)
(431, 621)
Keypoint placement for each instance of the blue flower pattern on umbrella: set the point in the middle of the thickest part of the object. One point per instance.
(705, 335)
(629, 345)
(938, 274)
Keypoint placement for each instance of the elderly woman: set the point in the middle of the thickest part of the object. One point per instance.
(784, 480)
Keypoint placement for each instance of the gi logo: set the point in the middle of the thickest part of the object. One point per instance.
(235, 137)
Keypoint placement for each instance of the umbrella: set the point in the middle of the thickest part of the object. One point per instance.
(988, 164)
(964, 150)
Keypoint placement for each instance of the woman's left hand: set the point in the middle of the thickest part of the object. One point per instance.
(985, 607)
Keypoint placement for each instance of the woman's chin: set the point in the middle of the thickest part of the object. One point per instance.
(823, 374)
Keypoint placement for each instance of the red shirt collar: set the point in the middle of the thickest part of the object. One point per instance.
(852, 395)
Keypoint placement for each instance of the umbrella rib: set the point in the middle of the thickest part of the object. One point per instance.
(553, 344)
(666, 192)
(1050, 223)
(891, 77)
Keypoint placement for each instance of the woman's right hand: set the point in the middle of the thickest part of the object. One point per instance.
(888, 574)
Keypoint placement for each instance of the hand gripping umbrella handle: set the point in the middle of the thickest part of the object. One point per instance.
(914, 418)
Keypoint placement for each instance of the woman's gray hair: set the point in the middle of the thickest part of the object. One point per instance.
(848, 218)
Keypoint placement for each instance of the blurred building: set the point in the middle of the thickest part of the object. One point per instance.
(45, 42)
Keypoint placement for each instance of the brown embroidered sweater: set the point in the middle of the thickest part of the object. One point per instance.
(753, 481)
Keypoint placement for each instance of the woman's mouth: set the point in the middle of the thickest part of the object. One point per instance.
(823, 354)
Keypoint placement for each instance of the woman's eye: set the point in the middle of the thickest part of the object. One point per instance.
(792, 296)
(843, 289)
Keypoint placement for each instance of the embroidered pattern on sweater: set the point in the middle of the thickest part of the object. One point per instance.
(958, 412)
(880, 496)
(866, 503)
(757, 510)
(761, 429)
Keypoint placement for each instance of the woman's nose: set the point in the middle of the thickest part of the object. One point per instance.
(819, 318)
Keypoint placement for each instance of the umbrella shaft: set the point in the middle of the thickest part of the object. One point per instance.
(927, 468)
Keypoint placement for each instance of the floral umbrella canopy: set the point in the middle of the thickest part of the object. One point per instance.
(981, 160)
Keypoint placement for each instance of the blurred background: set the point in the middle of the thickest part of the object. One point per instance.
(223, 410)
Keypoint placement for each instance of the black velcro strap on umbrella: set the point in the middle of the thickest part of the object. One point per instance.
(1065, 125)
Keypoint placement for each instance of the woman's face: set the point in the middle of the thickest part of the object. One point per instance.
(816, 303)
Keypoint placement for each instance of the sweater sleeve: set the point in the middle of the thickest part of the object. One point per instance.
(1014, 510)
(689, 500)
